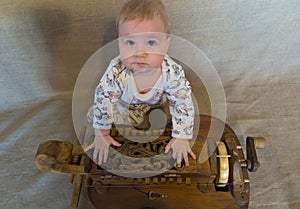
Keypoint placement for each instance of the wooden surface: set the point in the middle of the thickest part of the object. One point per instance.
(178, 198)
(114, 193)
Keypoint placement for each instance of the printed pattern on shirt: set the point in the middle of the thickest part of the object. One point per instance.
(175, 86)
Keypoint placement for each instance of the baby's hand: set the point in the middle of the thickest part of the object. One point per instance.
(181, 149)
(101, 145)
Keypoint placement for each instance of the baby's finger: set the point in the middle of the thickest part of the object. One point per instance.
(91, 146)
(105, 155)
(100, 158)
(192, 154)
(167, 148)
(174, 155)
(186, 160)
(179, 159)
(95, 154)
(115, 143)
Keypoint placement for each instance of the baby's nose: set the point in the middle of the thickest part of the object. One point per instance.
(141, 52)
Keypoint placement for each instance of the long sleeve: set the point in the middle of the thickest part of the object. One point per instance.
(179, 94)
(107, 94)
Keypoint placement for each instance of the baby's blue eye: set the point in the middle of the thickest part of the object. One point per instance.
(151, 43)
(130, 42)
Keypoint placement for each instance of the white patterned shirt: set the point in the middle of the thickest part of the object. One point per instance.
(118, 83)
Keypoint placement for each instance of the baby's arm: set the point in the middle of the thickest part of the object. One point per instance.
(106, 94)
(101, 144)
(182, 112)
(181, 149)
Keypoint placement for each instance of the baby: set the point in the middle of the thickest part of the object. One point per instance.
(143, 74)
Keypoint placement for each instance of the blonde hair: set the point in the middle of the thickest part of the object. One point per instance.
(143, 10)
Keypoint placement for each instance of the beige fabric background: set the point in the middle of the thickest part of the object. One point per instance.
(254, 46)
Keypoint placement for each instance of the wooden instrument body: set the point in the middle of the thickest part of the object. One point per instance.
(193, 187)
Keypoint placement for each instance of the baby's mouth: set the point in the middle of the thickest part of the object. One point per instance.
(140, 63)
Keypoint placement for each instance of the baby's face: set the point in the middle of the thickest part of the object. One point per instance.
(143, 44)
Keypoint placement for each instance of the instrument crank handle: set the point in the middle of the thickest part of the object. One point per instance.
(251, 144)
